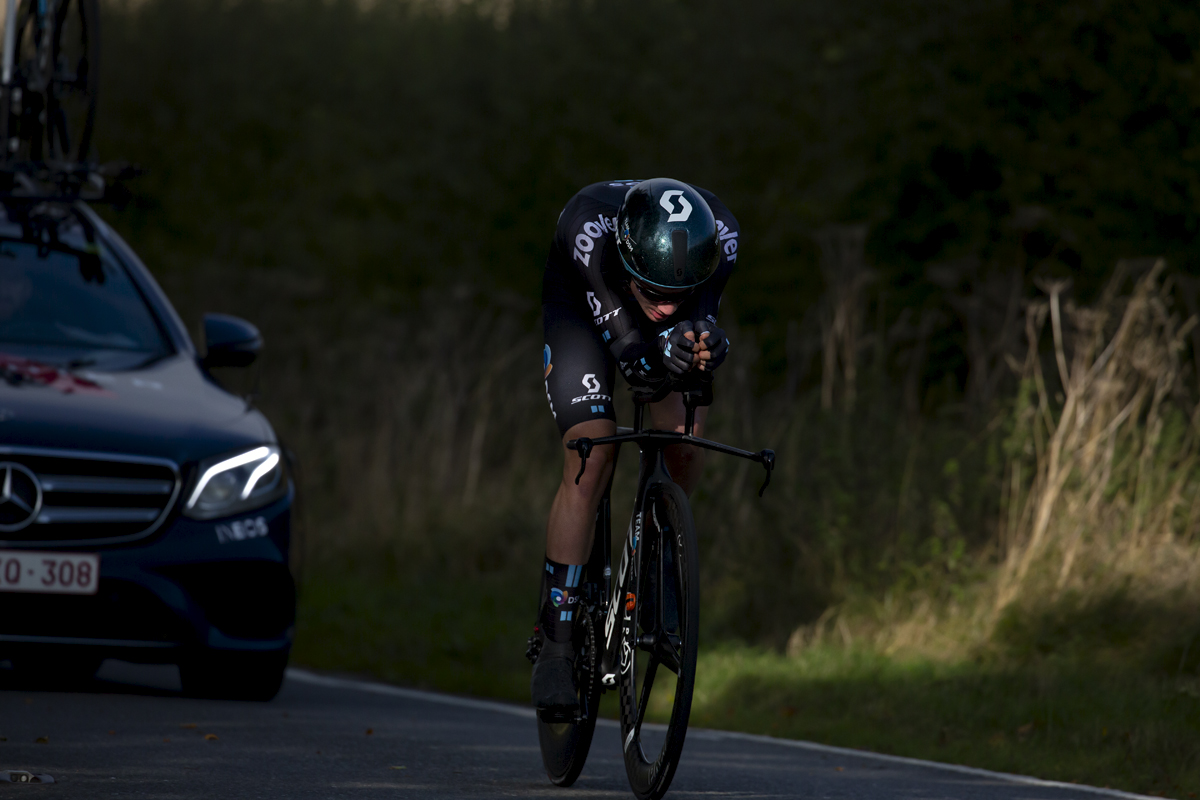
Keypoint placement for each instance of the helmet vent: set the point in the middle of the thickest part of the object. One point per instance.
(679, 246)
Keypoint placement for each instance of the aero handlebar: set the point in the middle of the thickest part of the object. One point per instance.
(695, 393)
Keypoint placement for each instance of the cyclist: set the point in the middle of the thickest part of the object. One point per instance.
(633, 282)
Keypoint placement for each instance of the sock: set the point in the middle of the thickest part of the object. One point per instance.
(561, 603)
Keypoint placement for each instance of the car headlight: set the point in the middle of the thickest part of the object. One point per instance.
(238, 482)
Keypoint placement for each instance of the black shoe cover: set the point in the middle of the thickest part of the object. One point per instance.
(553, 682)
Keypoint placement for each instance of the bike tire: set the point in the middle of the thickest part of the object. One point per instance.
(59, 113)
(651, 776)
(71, 107)
(565, 745)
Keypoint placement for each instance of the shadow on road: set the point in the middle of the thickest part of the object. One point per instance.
(113, 677)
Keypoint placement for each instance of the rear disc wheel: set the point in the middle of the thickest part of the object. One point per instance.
(565, 745)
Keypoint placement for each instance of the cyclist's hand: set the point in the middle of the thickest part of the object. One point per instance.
(678, 346)
(713, 345)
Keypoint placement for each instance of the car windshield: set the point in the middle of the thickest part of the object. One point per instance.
(71, 308)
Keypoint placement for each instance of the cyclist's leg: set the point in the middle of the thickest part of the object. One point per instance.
(579, 375)
(684, 462)
(571, 525)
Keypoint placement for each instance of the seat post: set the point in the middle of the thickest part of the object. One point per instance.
(638, 408)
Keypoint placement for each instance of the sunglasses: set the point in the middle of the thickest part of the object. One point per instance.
(656, 296)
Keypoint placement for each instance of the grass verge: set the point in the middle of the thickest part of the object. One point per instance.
(464, 638)
(1060, 719)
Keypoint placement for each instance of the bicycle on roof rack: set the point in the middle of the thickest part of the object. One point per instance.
(48, 79)
(648, 617)
(49, 76)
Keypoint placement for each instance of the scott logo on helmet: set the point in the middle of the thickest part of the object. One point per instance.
(685, 208)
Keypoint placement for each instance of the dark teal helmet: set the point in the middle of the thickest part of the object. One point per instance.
(666, 235)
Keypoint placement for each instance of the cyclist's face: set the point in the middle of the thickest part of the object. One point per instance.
(661, 307)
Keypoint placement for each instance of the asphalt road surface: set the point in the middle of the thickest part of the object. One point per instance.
(130, 734)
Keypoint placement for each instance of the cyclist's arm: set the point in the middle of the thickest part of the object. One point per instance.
(708, 301)
(584, 236)
(714, 342)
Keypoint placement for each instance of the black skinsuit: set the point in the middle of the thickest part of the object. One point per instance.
(593, 325)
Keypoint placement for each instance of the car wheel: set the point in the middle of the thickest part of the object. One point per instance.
(233, 676)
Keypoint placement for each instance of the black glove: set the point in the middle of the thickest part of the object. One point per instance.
(717, 344)
(642, 364)
(677, 352)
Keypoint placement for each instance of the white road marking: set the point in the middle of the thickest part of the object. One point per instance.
(303, 676)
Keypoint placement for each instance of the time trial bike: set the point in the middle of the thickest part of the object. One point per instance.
(637, 630)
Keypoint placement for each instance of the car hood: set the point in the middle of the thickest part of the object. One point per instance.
(168, 410)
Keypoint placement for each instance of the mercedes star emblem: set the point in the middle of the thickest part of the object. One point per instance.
(20, 496)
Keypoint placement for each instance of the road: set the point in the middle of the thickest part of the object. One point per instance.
(130, 734)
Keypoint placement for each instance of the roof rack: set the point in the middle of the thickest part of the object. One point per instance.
(31, 181)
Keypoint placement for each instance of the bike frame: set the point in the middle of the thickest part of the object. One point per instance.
(616, 656)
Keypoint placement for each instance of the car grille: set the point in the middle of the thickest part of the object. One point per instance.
(93, 498)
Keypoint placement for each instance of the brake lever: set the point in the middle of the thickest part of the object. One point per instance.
(584, 446)
(767, 459)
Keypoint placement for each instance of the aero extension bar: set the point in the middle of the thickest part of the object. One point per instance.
(692, 397)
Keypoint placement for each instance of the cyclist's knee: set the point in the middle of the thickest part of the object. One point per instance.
(685, 457)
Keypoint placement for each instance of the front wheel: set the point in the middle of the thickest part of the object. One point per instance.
(658, 666)
(565, 744)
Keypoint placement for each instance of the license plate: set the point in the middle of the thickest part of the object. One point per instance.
(49, 573)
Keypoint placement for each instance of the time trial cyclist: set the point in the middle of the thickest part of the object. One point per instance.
(633, 283)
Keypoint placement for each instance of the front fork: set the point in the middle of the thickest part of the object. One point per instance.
(619, 614)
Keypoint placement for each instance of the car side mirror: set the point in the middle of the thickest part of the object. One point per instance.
(229, 341)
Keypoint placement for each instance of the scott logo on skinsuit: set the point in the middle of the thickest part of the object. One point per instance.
(590, 383)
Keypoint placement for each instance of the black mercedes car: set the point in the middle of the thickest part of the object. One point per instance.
(145, 512)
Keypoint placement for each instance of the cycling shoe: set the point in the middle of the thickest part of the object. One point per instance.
(553, 682)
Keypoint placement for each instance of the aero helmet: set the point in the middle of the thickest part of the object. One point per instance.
(666, 235)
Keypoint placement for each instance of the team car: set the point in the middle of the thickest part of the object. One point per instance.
(145, 511)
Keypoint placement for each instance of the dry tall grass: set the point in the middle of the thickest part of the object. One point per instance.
(1100, 498)
(1115, 494)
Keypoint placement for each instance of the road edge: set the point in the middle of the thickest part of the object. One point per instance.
(312, 678)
